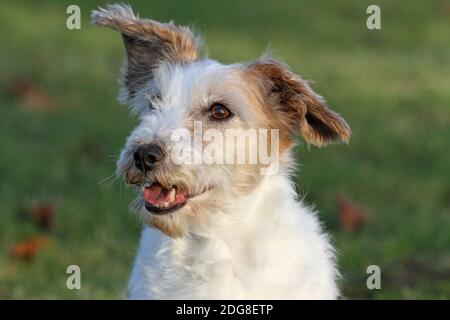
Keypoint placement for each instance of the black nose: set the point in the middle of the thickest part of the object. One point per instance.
(146, 156)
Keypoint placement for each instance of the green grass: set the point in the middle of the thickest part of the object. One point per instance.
(391, 85)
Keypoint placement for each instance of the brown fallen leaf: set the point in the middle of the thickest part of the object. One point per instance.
(352, 216)
(28, 249)
(43, 215)
(32, 96)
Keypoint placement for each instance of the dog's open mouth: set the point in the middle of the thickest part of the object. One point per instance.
(159, 200)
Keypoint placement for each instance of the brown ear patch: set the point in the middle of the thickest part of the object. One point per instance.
(321, 128)
(320, 125)
(298, 106)
(147, 43)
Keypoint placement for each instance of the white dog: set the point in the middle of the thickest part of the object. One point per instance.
(231, 231)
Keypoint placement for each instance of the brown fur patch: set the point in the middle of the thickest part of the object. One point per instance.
(147, 43)
(165, 225)
(295, 105)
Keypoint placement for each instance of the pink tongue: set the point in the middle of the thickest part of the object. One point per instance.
(157, 194)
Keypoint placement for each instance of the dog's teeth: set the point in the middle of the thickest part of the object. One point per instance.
(172, 195)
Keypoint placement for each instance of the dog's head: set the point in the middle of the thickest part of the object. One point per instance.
(181, 155)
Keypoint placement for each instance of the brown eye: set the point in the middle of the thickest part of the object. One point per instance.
(219, 112)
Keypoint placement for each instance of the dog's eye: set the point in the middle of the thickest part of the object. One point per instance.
(219, 112)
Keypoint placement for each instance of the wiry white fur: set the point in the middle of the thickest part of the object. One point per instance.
(262, 245)
(266, 246)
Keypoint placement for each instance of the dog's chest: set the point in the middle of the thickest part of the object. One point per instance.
(244, 265)
(216, 269)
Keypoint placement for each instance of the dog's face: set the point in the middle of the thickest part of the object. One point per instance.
(189, 108)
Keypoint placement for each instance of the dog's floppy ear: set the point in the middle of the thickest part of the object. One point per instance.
(147, 44)
(298, 105)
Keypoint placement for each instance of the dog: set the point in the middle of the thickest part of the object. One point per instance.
(218, 230)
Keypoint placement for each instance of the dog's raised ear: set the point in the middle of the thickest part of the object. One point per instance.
(298, 106)
(147, 44)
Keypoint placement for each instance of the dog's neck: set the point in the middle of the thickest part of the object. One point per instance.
(254, 236)
(244, 227)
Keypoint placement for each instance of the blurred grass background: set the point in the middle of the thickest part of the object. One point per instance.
(392, 86)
